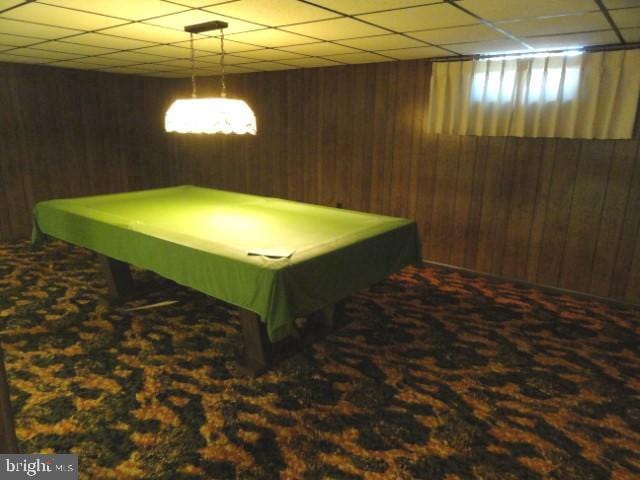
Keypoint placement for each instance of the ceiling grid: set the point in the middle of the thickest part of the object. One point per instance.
(146, 37)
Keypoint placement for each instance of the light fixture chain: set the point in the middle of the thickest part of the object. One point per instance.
(209, 115)
(193, 70)
(223, 92)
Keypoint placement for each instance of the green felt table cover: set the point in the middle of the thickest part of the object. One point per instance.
(217, 242)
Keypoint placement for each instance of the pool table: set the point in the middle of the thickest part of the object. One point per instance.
(276, 259)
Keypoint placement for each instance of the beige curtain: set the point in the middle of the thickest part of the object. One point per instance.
(589, 95)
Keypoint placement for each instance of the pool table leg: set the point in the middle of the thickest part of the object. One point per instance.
(256, 343)
(332, 314)
(118, 277)
(260, 353)
(8, 441)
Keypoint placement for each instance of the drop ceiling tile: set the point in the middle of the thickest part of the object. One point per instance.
(106, 62)
(582, 22)
(212, 45)
(134, 56)
(320, 49)
(57, 16)
(227, 70)
(164, 74)
(192, 17)
(154, 67)
(6, 57)
(626, 17)
(17, 40)
(88, 61)
(239, 69)
(382, 42)
(360, 57)
(4, 4)
(185, 63)
(205, 87)
(45, 54)
(444, 36)
(149, 33)
(123, 70)
(107, 41)
(228, 59)
(271, 38)
(336, 29)
(199, 3)
(352, 7)
(74, 48)
(311, 62)
(420, 52)
(204, 72)
(272, 13)
(201, 75)
(170, 51)
(621, 3)
(211, 76)
(421, 18)
(495, 10)
(631, 34)
(267, 66)
(186, 73)
(72, 64)
(489, 47)
(168, 74)
(573, 40)
(28, 29)
(129, 9)
(269, 54)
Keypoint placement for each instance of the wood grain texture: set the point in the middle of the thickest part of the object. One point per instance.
(559, 212)
(67, 133)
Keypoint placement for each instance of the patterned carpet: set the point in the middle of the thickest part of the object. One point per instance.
(437, 375)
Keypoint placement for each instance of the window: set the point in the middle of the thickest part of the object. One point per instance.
(569, 94)
(548, 80)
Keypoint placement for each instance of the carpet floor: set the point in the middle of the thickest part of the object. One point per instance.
(437, 375)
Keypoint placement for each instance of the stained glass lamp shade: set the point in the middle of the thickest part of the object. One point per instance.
(213, 114)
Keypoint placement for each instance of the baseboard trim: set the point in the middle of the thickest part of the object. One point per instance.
(539, 286)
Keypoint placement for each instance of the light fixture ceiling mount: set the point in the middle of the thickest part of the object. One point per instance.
(206, 26)
(213, 114)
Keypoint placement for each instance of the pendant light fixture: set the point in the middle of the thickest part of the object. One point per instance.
(213, 114)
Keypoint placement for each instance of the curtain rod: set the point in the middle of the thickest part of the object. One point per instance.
(588, 49)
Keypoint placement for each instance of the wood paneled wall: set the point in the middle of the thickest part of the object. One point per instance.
(558, 212)
(69, 133)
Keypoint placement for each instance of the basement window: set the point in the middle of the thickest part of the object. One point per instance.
(571, 94)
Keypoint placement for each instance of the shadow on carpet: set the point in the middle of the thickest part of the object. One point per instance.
(437, 375)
